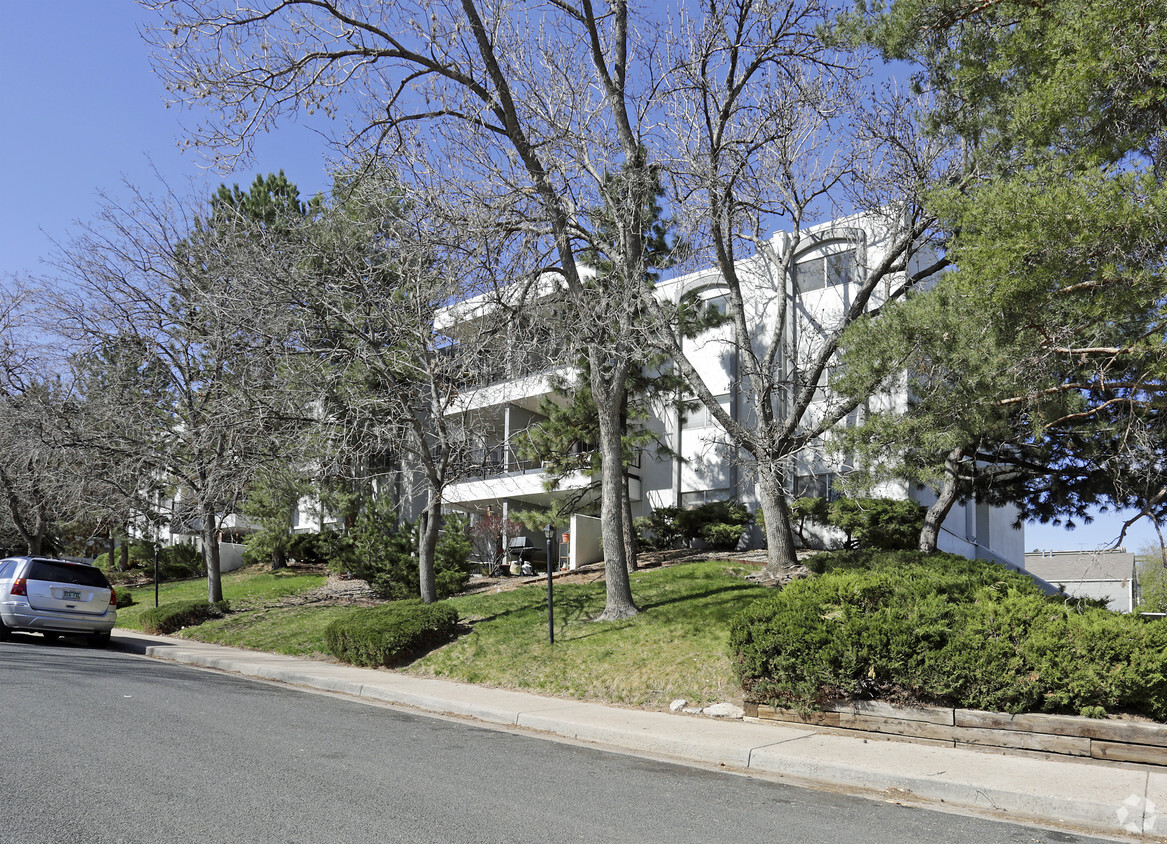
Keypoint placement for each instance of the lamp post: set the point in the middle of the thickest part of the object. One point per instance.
(549, 533)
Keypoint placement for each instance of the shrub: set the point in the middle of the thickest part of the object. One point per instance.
(176, 562)
(141, 555)
(857, 558)
(950, 631)
(319, 549)
(383, 555)
(382, 552)
(392, 633)
(124, 598)
(452, 556)
(720, 523)
(658, 531)
(174, 616)
(807, 509)
(722, 536)
(1152, 581)
(877, 523)
(180, 561)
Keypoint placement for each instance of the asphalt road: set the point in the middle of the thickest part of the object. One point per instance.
(100, 746)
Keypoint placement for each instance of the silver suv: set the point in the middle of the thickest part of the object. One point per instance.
(55, 598)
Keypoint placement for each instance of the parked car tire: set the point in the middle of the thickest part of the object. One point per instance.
(99, 640)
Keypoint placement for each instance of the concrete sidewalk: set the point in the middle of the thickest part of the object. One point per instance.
(1089, 797)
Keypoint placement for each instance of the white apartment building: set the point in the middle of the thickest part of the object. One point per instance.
(829, 260)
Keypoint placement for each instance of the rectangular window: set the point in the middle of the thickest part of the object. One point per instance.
(703, 496)
(841, 268)
(818, 485)
(810, 275)
(837, 268)
(61, 572)
(700, 417)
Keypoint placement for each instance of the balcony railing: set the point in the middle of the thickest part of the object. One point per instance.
(502, 460)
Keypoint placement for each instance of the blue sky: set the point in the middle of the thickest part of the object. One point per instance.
(83, 112)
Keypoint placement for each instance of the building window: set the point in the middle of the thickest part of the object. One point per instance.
(818, 485)
(689, 500)
(700, 417)
(817, 273)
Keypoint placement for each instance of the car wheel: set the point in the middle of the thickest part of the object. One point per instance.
(4, 631)
(51, 637)
(99, 640)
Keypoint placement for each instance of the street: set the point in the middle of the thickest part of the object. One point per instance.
(101, 746)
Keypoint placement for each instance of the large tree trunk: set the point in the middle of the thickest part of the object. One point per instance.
(427, 543)
(780, 550)
(619, 603)
(124, 559)
(938, 512)
(629, 529)
(211, 554)
(279, 554)
(625, 497)
(32, 538)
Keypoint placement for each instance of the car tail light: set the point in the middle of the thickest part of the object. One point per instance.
(113, 598)
(20, 587)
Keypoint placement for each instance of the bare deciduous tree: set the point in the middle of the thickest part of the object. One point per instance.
(554, 115)
(168, 305)
(530, 106)
(770, 126)
(376, 269)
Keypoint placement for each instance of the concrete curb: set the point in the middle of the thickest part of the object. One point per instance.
(1105, 799)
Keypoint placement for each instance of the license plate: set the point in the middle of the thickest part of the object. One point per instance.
(71, 594)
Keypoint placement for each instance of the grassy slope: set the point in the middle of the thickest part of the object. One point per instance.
(675, 648)
(242, 589)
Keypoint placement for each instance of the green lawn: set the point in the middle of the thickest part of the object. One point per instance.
(245, 589)
(676, 647)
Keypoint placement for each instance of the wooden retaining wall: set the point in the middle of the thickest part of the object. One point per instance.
(1064, 735)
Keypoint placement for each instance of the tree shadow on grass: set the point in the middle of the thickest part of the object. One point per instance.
(734, 598)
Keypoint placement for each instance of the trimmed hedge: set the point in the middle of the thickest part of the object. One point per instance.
(174, 616)
(391, 633)
(942, 629)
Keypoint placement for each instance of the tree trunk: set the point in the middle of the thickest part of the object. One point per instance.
(629, 528)
(124, 559)
(780, 551)
(938, 512)
(625, 497)
(427, 543)
(211, 555)
(279, 554)
(619, 603)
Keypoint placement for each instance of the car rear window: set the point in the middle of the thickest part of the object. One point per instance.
(67, 573)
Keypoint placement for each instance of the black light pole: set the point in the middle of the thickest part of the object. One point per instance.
(155, 571)
(549, 532)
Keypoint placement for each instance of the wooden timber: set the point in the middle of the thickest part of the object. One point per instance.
(1108, 740)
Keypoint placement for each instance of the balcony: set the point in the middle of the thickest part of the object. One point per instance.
(525, 391)
(501, 473)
